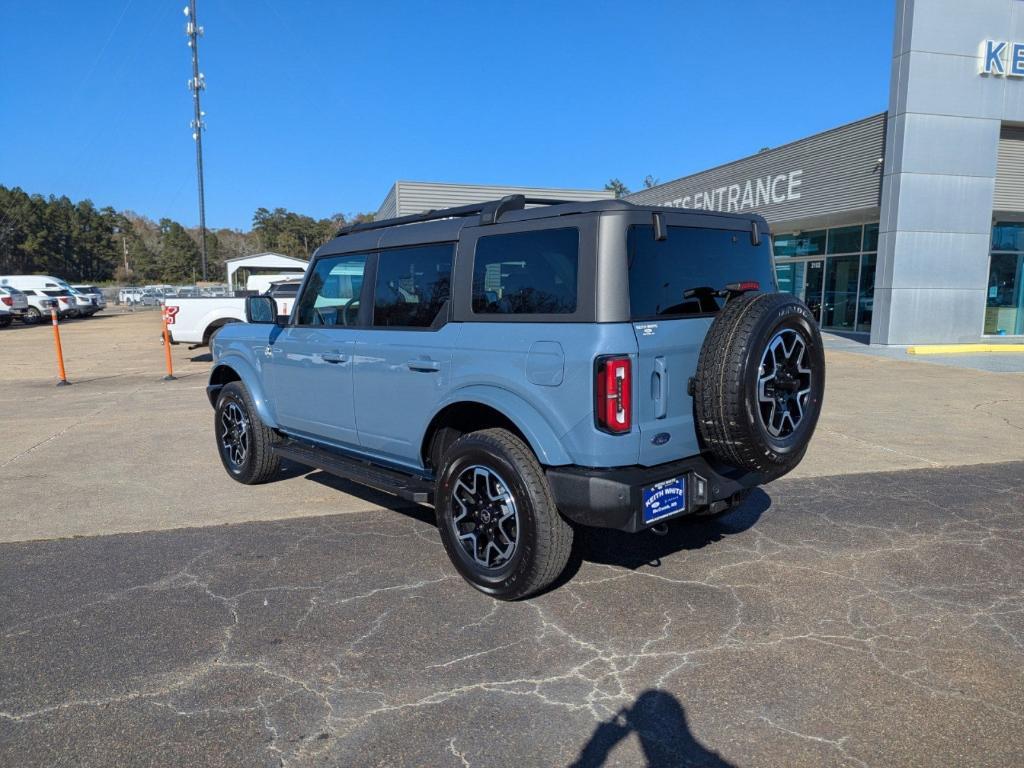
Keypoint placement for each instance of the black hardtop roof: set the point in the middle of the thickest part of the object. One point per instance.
(444, 225)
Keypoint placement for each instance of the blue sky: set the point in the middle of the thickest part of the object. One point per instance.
(319, 106)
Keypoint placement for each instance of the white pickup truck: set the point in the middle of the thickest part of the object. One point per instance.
(194, 320)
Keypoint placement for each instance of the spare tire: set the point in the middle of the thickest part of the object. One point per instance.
(760, 382)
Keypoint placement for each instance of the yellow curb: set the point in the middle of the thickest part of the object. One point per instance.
(959, 349)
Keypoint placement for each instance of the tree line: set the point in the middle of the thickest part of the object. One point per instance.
(82, 243)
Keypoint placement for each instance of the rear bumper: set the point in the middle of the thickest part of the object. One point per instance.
(613, 498)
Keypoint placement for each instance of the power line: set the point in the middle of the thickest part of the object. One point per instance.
(198, 83)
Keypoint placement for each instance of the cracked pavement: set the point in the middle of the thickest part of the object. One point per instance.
(854, 620)
(155, 613)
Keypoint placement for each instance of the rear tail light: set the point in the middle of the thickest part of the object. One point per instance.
(7, 300)
(746, 285)
(614, 386)
(169, 313)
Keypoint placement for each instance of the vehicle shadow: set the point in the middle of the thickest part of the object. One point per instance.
(203, 357)
(634, 550)
(659, 721)
(362, 492)
(596, 545)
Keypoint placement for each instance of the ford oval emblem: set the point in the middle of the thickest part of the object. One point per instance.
(661, 438)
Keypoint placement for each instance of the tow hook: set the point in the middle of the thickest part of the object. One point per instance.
(659, 529)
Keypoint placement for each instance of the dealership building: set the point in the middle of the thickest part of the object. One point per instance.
(906, 227)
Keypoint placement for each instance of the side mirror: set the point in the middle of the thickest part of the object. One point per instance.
(260, 309)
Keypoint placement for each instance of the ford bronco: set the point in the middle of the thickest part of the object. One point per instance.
(528, 366)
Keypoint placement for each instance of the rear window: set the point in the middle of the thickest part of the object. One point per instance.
(675, 277)
(527, 273)
(413, 286)
(56, 293)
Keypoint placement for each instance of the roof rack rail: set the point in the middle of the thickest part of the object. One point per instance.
(490, 212)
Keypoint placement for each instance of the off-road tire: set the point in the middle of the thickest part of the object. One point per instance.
(544, 541)
(260, 463)
(729, 421)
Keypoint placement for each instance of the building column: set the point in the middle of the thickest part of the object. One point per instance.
(942, 145)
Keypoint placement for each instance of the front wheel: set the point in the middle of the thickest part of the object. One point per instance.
(244, 443)
(497, 518)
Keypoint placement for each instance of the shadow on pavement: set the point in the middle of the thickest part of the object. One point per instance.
(659, 721)
(369, 495)
(634, 550)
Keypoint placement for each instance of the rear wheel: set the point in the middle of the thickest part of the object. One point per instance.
(245, 443)
(32, 315)
(497, 518)
(5, 320)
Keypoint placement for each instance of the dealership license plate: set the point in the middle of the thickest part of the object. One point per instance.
(664, 499)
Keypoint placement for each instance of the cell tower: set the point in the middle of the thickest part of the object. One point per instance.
(196, 84)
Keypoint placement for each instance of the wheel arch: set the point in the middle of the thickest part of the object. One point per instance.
(237, 369)
(215, 326)
(477, 408)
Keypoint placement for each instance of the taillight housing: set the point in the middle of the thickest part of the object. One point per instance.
(7, 300)
(613, 386)
(170, 313)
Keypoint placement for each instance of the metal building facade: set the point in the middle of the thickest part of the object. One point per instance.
(407, 197)
(829, 178)
(935, 185)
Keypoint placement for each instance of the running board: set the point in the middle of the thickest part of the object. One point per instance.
(401, 484)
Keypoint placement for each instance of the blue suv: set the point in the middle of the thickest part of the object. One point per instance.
(528, 366)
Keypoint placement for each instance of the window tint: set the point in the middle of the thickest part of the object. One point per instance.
(678, 275)
(412, 286)
(527, 273)
(332, 294)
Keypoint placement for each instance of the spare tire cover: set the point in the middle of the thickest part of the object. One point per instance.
(760, 382)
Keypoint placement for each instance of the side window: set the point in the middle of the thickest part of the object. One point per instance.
(331, 296)
(527, 272)
(413, 286)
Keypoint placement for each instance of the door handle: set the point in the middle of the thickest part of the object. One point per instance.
(424, 366)
(659, 388)
(334, 357)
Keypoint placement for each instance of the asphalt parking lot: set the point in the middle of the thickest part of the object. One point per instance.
(866, 610)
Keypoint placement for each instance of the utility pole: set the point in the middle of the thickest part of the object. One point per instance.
(198, 82)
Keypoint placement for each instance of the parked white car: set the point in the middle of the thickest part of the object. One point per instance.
(95, 294)
(39, 306)
(84, 306)
(129, 296)
(44, 285)
(13, 304)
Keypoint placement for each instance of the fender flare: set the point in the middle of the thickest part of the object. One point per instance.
(250, 378)
(535, 428)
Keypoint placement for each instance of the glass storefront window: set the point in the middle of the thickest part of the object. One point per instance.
(839, 288)
(1008, 236)
(870, 237)
(866, 300)
(839, 308)
(1004, 310)
(844, 240)
(800, 244)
